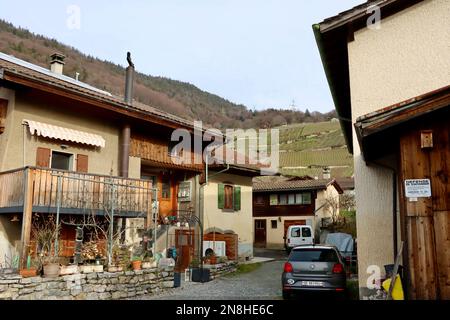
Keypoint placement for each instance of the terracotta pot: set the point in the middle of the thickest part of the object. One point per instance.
(51, 270)
(137, 265)
(28, 273)
(213, 260)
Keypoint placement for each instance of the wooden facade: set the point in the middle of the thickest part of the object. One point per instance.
(263, 208)
(426, 222)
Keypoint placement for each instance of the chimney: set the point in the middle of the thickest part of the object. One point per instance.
(57, 63)
(326, 173)
(126, 129)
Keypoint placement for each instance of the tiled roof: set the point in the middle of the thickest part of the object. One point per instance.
(262, 184)
(37, 73)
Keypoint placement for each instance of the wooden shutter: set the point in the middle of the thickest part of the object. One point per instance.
(221, 196)
(3, 109)
(43, 156)
(237, 198)
(82, 163)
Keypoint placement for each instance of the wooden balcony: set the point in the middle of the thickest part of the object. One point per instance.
(73, 193)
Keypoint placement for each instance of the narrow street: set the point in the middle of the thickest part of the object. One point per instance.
(263, 283)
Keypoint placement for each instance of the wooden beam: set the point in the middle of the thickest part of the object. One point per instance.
(27, 213)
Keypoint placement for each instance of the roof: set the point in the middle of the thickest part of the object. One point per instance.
(346, 183)
(22, 72)
(267, 184)
(332, 37)
(376, 129)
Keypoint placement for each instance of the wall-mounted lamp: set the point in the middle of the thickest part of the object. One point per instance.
(64, 146)
(15, 219)
(279, 219)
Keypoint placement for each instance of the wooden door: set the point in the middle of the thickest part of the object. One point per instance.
(425, 221)
(167, 188)
(185, 245)
(260, 233)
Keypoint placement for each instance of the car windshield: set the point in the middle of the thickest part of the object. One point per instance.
(313, 255)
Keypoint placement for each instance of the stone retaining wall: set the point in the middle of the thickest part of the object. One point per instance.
(222, 269)
(90, 286)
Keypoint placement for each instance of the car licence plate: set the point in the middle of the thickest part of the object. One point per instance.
(312, 283)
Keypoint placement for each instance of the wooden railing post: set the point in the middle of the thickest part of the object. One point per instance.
(27, 214)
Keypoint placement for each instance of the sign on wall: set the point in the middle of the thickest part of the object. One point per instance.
(418, 188)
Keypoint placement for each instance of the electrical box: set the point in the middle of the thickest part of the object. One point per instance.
(185, 191)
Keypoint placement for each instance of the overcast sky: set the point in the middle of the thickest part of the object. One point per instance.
(260, 53)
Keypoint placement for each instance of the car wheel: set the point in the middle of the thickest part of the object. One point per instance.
(286, 295)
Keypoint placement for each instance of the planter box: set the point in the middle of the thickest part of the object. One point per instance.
(201, 275)
(66, 270)
(28, 273)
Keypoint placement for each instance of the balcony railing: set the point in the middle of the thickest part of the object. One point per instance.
(74, 192)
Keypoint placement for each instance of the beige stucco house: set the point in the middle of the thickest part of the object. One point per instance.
(227, 209)
(279, 202)
(379, 70)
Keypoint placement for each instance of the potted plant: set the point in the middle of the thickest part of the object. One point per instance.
(31, 268)
(45, 234)
(136, 262)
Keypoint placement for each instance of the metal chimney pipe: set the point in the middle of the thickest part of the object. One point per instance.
(126, 129)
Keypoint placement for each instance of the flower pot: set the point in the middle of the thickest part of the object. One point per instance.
(66, 270)
(51, 270)
(137, 265)
(28, 273)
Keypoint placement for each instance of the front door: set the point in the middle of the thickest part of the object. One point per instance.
(260, 233)
(185, 245)
(167, 196)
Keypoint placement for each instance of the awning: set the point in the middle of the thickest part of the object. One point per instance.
(54, 132)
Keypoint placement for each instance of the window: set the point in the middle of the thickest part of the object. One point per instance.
(259, 200)
(295, 232)
(61, 161)
(291, 199)
(273, 199)
(283, 199)
(306, 232)
(274, 224)
(298, 198)
(314, 255)
(306, 198)
(228, 197)
(260, 224)
(165, 188)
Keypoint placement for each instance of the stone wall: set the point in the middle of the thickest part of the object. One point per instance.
(90, 286)
(222, 269)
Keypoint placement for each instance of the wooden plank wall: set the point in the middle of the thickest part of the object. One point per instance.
(11, 189)
(426, 221)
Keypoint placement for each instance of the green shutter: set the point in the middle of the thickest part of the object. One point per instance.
(237, 198)
(221, 196)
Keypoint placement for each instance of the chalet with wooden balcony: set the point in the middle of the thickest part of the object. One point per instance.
(69, 148)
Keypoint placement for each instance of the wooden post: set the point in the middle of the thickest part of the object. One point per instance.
(27, 214)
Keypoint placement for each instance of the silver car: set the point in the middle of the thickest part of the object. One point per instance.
(314, 268)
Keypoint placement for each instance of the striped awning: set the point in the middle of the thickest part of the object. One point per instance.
(54, 132)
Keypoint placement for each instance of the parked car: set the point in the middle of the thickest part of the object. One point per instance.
(297, 235)
(314, 268)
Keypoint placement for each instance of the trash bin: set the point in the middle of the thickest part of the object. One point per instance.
(176, 279)
(200, 275)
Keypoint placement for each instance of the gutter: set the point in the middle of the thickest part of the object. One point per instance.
(342, 120)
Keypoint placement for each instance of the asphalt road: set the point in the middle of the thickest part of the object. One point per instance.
(262, 284)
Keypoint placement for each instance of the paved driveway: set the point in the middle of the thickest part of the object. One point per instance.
(262, 284)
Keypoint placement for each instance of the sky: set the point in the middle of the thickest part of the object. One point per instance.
(260, 53)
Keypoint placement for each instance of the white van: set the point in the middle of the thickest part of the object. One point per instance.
(298, 235)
